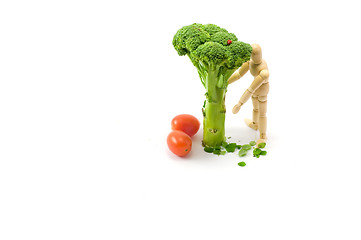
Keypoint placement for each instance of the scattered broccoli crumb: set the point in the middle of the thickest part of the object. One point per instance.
(242, 164)
(246, 147)
(231, 147)
(208, 149)
(261, 145)
(256, 152)
(217, 151)
(243, 149)
(242, 153)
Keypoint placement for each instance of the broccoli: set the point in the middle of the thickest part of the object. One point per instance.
(216, 54)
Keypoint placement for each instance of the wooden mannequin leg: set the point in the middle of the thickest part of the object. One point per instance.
(262, 117)
(255, 118)
(255, 110)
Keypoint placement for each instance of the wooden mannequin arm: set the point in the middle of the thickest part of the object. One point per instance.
(239, 73)
(257, 82)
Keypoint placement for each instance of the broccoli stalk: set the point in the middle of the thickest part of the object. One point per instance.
(216, 54)
(214, 111)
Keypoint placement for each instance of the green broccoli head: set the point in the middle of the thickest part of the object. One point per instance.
(223, 37)
(240, 52)
(188, 38)
(212, 29)
(211, 45)
(211, 53)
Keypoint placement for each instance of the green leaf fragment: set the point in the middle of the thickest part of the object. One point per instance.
(261, 145)
(246, 147)
(243, 149)
(217, 151)
(208, 149)
(257, 152)
(242, 153)
(231, 147)
(242, 164)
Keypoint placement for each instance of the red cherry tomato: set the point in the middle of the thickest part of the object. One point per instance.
(179, 143)
(186, 123)
(229, 42)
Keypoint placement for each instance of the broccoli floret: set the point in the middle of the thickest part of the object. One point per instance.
(188, 38)
(223, 37)
(212, 29)
(239, 53)
(216, 54)
(210, 53)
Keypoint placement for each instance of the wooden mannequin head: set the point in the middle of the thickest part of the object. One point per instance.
(256, 55)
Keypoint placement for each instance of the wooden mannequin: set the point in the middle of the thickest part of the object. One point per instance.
(258, 91)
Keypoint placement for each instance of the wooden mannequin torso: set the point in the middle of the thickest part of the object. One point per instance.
(255, 69)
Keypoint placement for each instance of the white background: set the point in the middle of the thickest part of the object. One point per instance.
(87, 93)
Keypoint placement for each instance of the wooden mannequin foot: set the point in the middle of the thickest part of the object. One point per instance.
(261, 140)
(251, 124)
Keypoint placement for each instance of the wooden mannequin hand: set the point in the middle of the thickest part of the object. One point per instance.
(236, 108)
